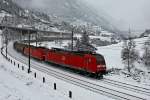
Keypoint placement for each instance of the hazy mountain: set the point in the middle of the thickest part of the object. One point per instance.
(10, 7)
(21, 17)
(60, 18)
(70, 11)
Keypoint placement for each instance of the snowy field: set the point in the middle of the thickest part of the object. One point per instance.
(18, 85)
(25, 87)
(83, 92)
(112, 55)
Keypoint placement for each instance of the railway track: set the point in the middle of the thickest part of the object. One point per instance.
(100, 89)
(127, 86)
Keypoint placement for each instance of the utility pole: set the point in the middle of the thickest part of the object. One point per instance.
(29, 69)
(30, 23)
(36, 38)
(129, 48)
(6, 39)
(72, 35)
(72, 40)
(146, 51)
(5, 34)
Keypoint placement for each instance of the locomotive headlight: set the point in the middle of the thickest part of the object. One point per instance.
(98, 66)
(104, 65)
(89, 60)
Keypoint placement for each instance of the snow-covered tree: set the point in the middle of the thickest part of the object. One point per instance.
(84, 44)
(146, 55)
(129, 54)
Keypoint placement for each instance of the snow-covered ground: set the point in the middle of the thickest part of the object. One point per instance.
(25, 87)
(75, 89)
(112, 55)
(16, 84)
(53, 44)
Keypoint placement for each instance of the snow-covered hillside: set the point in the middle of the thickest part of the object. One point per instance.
(24, 84)
(17, 85)
(112, 55)
(26, 87)
(74, 11)
(79, 18)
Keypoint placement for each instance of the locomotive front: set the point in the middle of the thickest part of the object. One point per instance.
(101, 65)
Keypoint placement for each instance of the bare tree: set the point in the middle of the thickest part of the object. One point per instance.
(146, 55)
(129, 54)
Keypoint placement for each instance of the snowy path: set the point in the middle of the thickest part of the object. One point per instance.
(119, 90)
(63, 87)
(14, 86)
(17, 85)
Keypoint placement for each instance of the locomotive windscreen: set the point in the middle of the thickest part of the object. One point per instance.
(99, 59)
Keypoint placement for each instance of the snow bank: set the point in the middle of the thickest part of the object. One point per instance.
(25, 87)
(17, 85)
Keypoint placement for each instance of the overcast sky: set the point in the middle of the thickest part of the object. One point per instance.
(135, 13)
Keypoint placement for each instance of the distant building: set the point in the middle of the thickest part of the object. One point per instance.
(146, 33)
(94, 30)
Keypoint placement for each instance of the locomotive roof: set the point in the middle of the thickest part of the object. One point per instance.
(99, 56)
(81, 53)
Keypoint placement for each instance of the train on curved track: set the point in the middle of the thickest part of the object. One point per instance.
(91, 63)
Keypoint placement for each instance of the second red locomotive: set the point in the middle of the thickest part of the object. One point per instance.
(92, 63)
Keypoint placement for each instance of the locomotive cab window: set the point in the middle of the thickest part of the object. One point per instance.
(100, 59)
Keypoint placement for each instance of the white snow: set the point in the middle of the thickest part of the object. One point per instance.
(16, 84)
(25, 87)
(112, 55)
(3, 14)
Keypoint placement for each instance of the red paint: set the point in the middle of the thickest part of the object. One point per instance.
(93, 63)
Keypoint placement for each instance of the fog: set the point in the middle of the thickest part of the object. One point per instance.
(129, 13)
(126, 13)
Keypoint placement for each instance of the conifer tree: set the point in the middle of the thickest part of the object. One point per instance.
(84, 44)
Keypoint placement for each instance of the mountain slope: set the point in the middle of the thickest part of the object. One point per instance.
(70, 11)
(10, 7)
(21, 17)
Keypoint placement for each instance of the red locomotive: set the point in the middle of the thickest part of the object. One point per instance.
(83, 61)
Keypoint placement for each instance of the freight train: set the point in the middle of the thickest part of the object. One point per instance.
(91, 63)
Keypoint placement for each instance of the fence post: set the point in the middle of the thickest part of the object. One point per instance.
(18, 65)
(54, 86)
(35, 74)
(43, 79)
(14, 63)
(22, 67)
(70, 94)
